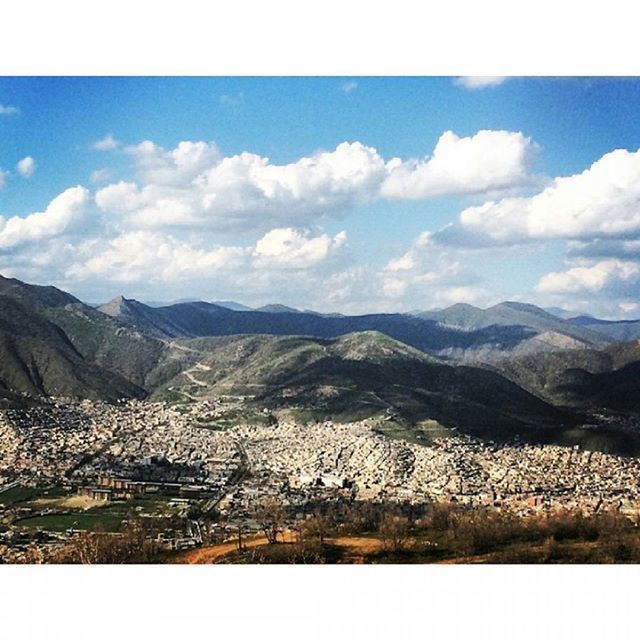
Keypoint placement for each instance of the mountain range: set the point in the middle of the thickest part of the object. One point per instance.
(511, 369)
(461, 332)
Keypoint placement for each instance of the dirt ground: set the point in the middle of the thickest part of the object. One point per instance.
(72, 502)
(357, 548)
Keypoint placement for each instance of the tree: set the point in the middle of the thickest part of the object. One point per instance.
(270, 515)
(395, 532)
(315, 528)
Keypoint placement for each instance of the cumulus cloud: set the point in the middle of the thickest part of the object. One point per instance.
(488, 160)
(607, 288)
(193, 185)
(593, 278)
(26, 167)
(163, 225)
(428, 275)
(59, 217)
(8, 110)
(108, 143)
(479, 82)
(177, 167)
(293, 248)
(145, 256)
(602, 201)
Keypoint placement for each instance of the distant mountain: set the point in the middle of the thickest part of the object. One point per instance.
(549, 332)
(453, 334)
(140, 316)
(622, 330)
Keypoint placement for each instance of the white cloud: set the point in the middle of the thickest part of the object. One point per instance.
(147, 232)
(607, 288)
(3, 178)
(349, 86)
(108, 143)
(430, 275)
(479, 82)
(8, 110)
(178, 167)
(193, 185)
(488, 160)
(593, 278)
(151, 256)
(100, 175)
(293, 248)
(141, 256)
(26, 167)
(602, 201)
(59, 217)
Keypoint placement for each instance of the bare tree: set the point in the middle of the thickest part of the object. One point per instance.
(132, 544)
(240, 530)
(395, 532)
(270, 515)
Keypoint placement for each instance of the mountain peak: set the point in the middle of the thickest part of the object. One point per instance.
(117, 306)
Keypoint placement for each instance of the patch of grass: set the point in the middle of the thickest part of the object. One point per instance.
(59, 522)
(22, 494)
(424, 432)
(18, 494)
(157, 505)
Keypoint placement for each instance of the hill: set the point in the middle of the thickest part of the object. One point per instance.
(71, 346)
(364, 375)
(37, 357)
(586, 379)
(374, 366)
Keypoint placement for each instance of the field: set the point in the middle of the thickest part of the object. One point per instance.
(56, 510)
(60, 522)
(21, 494)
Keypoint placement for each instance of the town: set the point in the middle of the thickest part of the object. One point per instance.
(68, 465)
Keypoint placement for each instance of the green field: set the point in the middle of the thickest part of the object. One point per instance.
(62, 521)
(424, 432)
(24, 494)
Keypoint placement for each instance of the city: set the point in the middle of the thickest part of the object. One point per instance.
(198, 483)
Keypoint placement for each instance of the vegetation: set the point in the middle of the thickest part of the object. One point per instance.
(448, 533)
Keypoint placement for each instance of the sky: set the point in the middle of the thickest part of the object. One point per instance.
(336, 194)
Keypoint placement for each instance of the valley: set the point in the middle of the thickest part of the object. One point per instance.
(188, 419)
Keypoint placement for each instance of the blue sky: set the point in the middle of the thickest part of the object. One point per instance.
(344, 230)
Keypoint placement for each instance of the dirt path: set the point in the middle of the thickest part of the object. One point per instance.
(213, 553)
